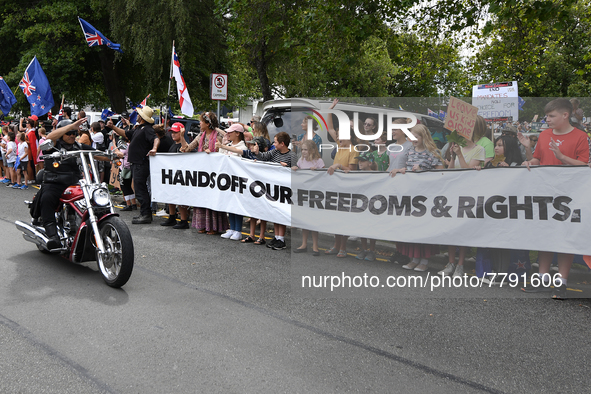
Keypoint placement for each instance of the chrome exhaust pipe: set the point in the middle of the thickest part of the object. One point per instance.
(31, 234)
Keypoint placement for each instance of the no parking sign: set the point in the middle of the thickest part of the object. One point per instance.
(219, 86)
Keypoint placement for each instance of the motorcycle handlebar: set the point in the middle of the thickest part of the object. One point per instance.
(63, 154)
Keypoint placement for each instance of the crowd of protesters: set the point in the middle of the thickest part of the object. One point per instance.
(133, 144)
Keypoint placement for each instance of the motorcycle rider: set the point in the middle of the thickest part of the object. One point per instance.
(57, 177)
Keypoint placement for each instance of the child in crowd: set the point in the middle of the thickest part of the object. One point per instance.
(559, 144)
(283, 155)
(480, 138)
(507, 153)
(310, 160)
(22, 151)
(42, 138)
(346, 160)
(261, 145)
(381, 155)
(469, 156)
(177, 131)
(11, 158)
(398, 154)
(235, 137)
(3, 142)
(422, 156)
(367, 163)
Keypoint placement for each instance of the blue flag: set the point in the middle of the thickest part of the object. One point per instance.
(94, 37)
(106, 114)
(520, 103)
(7, 99)
(36, 87)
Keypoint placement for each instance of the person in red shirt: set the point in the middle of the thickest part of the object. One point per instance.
(559, 144)
(31, 136)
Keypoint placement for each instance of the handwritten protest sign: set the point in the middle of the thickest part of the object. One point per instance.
(461, 117)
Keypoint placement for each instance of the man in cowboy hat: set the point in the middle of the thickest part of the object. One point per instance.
(143, 144)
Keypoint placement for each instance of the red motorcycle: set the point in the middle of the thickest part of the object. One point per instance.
(88, 227)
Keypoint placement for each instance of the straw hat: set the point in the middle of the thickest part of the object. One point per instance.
(146, 113)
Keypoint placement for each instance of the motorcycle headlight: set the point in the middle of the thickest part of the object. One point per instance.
(100, 197)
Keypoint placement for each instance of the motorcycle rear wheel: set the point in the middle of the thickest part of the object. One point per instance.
(116, 264)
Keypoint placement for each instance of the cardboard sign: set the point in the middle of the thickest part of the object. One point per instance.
(461, 117)
(114, 178)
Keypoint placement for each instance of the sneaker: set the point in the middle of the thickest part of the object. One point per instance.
(161, 212)
(421, 268)
(271, 243)
(470, 259)
(182, 225)
(227, 234)
(361, 255)
(24, 187)
(410, 266)
(559, 292)
(448, 270)
(279, 245)
(9, 184)
(16, 186)
(236, 236)
(370, 256)
(5, 180)
(459, 271)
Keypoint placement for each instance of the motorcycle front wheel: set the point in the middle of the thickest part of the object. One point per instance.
(116, 263)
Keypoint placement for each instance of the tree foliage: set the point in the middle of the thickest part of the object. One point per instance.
(298, 48)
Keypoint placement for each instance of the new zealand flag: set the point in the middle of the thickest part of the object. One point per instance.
(94, 37)
(36, 87)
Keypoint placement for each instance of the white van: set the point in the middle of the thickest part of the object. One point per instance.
(288, 114)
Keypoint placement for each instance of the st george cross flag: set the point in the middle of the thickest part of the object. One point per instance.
(95, 37)
(181, 86)
(36, 87)
(7, 99)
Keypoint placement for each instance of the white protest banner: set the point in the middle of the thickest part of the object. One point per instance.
(222, 183)
(461, 117)
(497, 100)
(546, 208)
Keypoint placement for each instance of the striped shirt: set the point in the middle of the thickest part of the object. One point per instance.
(277, 157)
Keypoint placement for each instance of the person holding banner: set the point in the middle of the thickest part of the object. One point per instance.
(398, 157)
(559, 144)
(422, 156)
(310, 160)
(284, 156)
(207, 220)
(469, 156)
(177, 132)
(345, 160)
(235, 137)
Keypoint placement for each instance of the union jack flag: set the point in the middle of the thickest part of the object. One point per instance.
(26, 85)
(95, 38)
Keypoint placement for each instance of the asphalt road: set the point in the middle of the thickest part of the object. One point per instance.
(202, 314)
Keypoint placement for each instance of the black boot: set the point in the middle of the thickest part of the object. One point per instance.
(182, 225)
(143, 219)
(51, 232)
(171, 221)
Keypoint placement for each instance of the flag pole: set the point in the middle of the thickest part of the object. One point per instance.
(168, 93)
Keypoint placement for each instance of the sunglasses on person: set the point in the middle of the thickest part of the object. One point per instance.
(71, 132)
